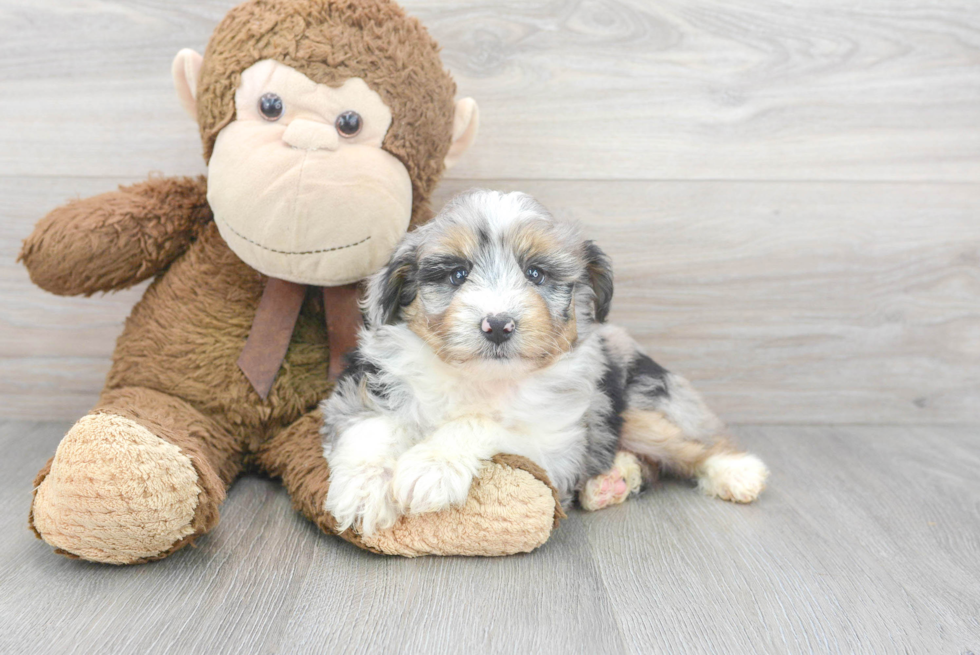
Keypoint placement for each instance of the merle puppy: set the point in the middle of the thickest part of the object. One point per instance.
(486, 334)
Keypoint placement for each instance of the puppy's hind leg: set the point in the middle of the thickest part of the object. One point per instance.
(674, 427)
(720, 469)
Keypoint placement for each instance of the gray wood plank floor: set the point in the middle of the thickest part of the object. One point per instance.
(867, 541)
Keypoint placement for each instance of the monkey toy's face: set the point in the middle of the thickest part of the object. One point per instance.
(299, 184)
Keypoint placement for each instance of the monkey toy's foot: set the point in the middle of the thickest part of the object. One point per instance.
(612, 488)
(511, 508)
(115, 493)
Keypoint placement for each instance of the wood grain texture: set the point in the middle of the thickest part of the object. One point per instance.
(672, 129)
(865, 542)
(570, 89)
(784, 303)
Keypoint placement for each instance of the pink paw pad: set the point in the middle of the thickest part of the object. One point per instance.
(612, 488)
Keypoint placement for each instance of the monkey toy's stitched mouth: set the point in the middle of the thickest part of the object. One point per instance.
(291, 252)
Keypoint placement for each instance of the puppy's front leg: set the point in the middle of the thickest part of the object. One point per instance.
(437, 473)
(362, 463)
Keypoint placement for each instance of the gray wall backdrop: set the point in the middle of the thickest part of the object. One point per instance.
(789, 190)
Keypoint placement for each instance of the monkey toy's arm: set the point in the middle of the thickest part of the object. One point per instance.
(117, 239)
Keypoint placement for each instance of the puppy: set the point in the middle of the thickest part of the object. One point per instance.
(486, 334)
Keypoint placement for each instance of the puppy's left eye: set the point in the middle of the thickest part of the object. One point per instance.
(535, 274)
(458, 276)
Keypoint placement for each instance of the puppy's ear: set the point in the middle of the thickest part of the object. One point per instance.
(391, 288)
(600, 274)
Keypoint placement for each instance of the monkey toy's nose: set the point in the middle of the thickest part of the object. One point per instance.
(498, 328)
(311, 135)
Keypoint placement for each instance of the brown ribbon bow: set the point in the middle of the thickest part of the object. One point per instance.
(274, 322)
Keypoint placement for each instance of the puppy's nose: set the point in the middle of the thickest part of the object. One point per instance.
(498, 327)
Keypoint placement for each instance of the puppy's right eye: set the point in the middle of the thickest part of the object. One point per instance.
(458, 276)
(535, 274)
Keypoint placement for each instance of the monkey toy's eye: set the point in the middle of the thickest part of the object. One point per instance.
(535, 274)
(270, 106)
(458, 276)
(349, 123)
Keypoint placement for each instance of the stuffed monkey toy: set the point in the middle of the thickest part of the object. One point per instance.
(326, 124)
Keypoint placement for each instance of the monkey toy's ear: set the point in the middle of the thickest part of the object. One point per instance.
(466, 121)
(186, 70)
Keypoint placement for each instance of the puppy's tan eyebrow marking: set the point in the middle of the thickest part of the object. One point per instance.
(458, 240)
(533, 239)
(535, 244)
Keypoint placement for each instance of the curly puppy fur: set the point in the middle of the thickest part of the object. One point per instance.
(485, 333)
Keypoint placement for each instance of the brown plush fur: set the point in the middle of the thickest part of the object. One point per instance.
(118, 241)
(330, 42)
(174, 369)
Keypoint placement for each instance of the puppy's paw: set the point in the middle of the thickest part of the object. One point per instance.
(738, 477)
(427, 480)
(613, 487)
(360, 497)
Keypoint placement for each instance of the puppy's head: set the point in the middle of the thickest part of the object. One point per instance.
(494, 278)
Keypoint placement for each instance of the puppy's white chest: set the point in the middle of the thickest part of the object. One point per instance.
(463, 398)
(534, 408)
